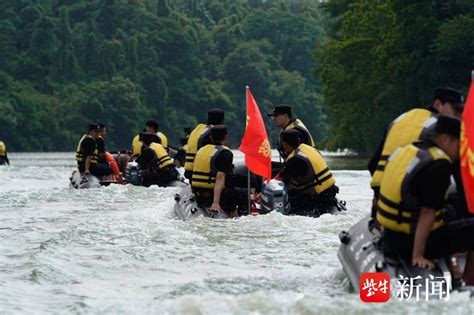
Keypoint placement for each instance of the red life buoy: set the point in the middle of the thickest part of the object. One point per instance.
(112, 163)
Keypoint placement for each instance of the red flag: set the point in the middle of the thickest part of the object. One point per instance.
(255, 144)
(467, 148)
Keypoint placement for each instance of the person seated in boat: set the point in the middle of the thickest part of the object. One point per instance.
(412, 196)
(87, 154)
(199, 137)
(153, 127)
(312, 187)
(3, 154)
(156, 166)
(212, 176)
(415, 125)
(283, 119)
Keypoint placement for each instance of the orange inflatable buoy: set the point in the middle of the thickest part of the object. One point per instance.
(112, 163)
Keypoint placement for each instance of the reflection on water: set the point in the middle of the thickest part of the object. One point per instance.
(119, 249)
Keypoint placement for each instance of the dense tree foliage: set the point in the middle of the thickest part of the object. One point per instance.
(384, 57)
(64, 63)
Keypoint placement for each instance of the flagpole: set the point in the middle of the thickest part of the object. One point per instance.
(248, 170)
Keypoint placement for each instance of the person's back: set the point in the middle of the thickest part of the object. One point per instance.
(312, 188)
(156, 165)
(212, 171)
(412, 126)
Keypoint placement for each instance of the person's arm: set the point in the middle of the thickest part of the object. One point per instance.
(88, 164)
(218, 188)
(372, 166)
(423, 230)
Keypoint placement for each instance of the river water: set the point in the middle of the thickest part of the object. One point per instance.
(119, 249)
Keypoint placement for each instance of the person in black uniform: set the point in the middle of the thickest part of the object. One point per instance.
(283, 119)
(414, 225)
(155, 163)
(212, 177)
(87, 154)
(312, 189)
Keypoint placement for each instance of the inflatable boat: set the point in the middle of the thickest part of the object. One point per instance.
(361, 251)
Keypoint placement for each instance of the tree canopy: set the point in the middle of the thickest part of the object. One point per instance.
(384, 57)
(65, 63)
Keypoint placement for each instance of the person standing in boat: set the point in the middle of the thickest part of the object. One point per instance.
(3, 154)
(152, 127)
(212, 176)
(200, 137)
(283, 119)
(87, 154)
(312, 187)
(411, 126)
(156, 165)
(412, 196)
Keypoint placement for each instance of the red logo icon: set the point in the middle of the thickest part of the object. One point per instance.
(374, 287)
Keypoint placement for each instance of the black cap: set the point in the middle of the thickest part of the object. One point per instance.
(153, 124)
(101, 125)
(280, 110)
(291, 136)
(149, 137)
(218, 132)
(215, 116)
(94, 127)
(449, 95)
(448, 125)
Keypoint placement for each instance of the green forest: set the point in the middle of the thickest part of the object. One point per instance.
(346, 67)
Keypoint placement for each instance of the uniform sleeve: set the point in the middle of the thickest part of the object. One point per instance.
(294, 168)
(88, 145)
(431, 183)
(224, 162)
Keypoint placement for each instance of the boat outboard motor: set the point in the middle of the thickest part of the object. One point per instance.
(132, 173)
(275, 197)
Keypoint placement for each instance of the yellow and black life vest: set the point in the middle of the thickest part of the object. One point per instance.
(162, 158)
(3, 149)
(397, 207)
(137, 144)
(80, 156)
(414, 125)
(298, 125)
(164, 140)
(195, 142)
(204, 171)
(318, 177)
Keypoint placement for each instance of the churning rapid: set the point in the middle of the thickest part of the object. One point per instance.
(120, 249)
